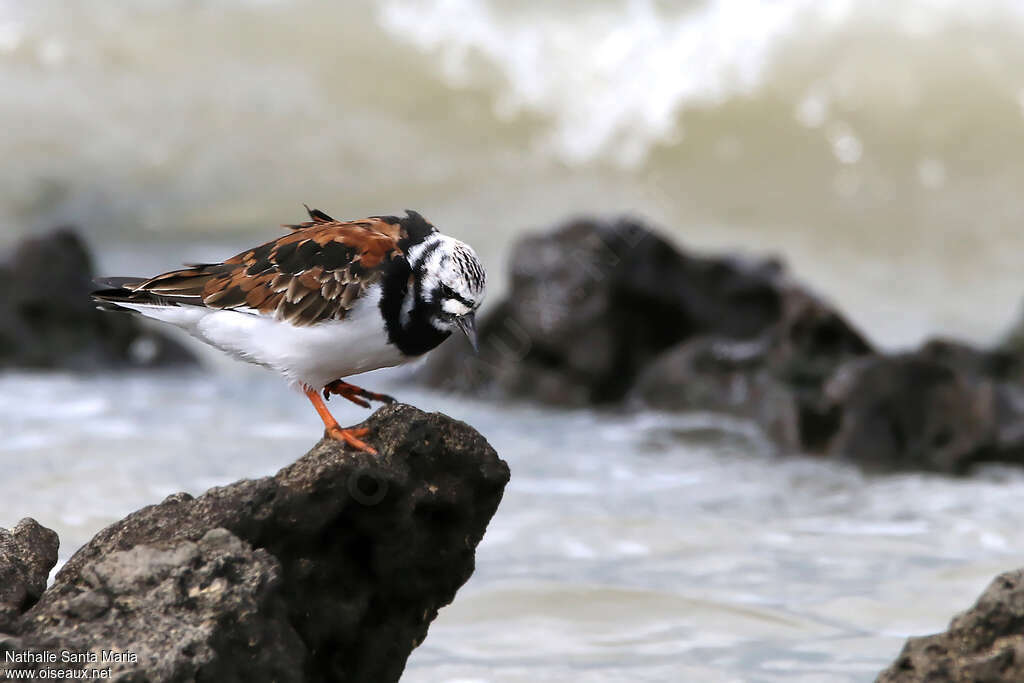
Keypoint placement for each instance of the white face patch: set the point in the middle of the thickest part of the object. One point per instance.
(455, 307)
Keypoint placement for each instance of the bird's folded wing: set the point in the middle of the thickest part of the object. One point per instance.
(315, 273)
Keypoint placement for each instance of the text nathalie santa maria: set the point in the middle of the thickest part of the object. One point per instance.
(70, 656)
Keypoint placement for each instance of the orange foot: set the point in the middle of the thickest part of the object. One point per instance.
(354, 393)
(353, 437)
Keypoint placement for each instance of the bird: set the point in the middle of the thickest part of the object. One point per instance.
(328, 300)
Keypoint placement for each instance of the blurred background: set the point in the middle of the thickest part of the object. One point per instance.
(878, 147)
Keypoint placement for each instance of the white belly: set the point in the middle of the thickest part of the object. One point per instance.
(314, 355)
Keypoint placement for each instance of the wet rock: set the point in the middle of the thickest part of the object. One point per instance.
(985, 643)
(48, 320)
(27, 554)
(331, 570)
(601, 312)
(723, 376)
(592, 303)
(1000, 363)
(937, 408)
(806, 348)
(608, 311)
(776, 380)
(813, 384)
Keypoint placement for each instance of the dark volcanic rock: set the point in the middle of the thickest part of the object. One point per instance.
(600, 312)
(592, 303)
(604, 311)
(908, 412)
(938, 408)
(776, 380)
(332, 570)
(48, 320)
(1000, 363)
(985, 643)
(27, 553)
(209, 610)
(722, 376)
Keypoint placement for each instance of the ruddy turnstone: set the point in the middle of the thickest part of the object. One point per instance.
(329, 300)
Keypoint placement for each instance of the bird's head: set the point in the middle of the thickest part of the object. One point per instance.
(452, 285)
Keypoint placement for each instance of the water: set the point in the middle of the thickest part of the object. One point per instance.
(644, 548)
(878, 147)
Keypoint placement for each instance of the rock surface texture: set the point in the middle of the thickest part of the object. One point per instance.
(984, 644)
(602, 312)
(331, 570)
(48, 320)
(939, 408)
(27, 553)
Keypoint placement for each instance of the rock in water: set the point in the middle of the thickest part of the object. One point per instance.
(985, 643)
(591, 303)
(943, 407)
(606, 311)
(331, 570)
(777, 379)
(600, 311)
(48, 319)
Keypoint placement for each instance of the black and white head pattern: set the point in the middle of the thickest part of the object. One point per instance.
(437, 293)
(449, 281)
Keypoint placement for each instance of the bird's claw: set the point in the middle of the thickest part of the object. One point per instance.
(355, 399)
(357, 395)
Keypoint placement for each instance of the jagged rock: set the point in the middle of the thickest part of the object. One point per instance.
(600, 312)
(811, 341)
(984, 644)
(331, 570)
(937, 408)
(909, 412)
(48, 320)
(592, 303)
(811, 383)
(723, 376)
(174, 611)
(604, 311)
(997, 364)
(777, 380)
(27, 554)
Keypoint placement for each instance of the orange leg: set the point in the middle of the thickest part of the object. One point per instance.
(354, 393)
(331, 427)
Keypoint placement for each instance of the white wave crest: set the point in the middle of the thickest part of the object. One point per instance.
(612, 77)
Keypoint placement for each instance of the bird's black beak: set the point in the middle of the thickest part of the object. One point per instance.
(467, 323)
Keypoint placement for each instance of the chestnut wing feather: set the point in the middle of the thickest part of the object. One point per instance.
(315, 273)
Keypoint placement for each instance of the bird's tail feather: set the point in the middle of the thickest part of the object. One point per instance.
(125, 290)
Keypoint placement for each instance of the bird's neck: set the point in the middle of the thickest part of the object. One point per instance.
(407, 314)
